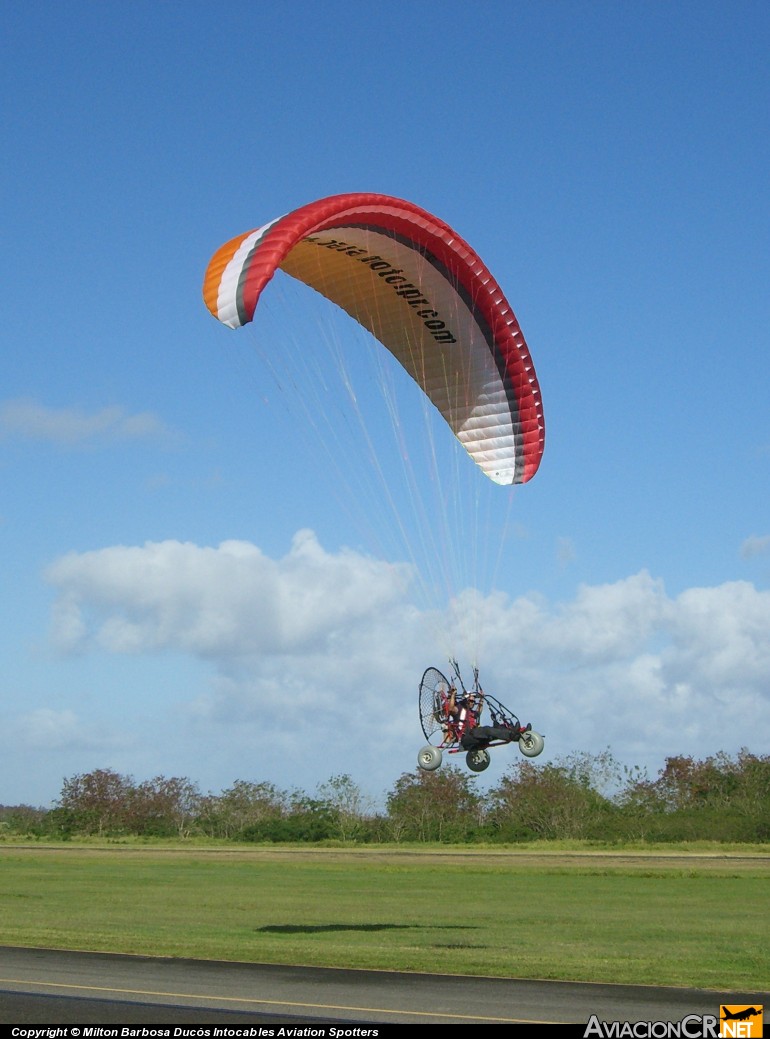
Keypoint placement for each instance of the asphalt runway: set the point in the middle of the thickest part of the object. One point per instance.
(43, 986)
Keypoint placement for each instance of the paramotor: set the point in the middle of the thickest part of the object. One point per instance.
(454, 719)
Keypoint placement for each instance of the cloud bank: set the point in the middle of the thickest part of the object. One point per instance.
(332, 641)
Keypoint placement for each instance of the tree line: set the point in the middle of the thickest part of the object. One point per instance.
(581, 796)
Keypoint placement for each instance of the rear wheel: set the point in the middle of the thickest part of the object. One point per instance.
(429, 758)
(531, 744)
(477, 760)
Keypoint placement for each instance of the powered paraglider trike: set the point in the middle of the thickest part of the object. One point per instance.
(454, 720)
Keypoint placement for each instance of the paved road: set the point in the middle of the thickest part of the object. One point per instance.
(42, 986)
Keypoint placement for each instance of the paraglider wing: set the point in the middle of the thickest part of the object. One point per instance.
(423, 293)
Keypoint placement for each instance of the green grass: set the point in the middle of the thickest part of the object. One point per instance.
(640, 918)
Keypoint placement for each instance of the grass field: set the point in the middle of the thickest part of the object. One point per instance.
(649, 918)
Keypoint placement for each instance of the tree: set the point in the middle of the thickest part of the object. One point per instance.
(716, 782)
(346, 803)
(752, 793)
(434, 806)
(563, 799)
(242, 806)
(22, 819)
(97, 802)
(721, 797)
(162, 806)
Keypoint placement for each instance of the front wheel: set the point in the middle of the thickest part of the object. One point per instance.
(429, 758)
(477, 760)
(531, 744)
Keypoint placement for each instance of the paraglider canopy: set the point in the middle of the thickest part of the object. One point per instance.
(421, 290)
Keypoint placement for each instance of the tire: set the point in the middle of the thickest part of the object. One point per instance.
(531, 744)
(429, 758)
(477, 760)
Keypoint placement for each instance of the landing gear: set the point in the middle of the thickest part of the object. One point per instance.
(429, 758)
(477, 760)
(531, 744)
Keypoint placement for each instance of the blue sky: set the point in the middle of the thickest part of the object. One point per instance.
(186, 592)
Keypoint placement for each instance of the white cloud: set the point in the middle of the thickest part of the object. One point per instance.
(50, 730)
(602, 623)
(320, 646)
(224, 602)
(721, 638)
(28, 419)
(755, 546)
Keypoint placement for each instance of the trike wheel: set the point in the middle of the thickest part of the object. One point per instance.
(477, 760)
(531, 744)
(429, 758)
